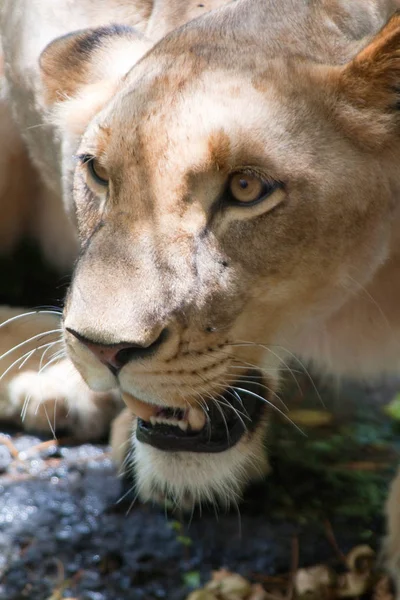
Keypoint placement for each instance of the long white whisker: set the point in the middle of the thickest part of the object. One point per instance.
(244, 379)
(132, 503)
(34, 337)
(272, 406)
(47, 346)
(237, 412)
(271, 391)
(48, 420)
(222, 415)
(25, 406)
(308, 374)
(258, 368)
(57, 356)
(23, 358)
(28, 314)
(296, 358)
(265, 347)
(45, 352)
(373, 301)
(131, 489)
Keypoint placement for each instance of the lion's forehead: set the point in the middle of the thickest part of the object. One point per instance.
(208, 126)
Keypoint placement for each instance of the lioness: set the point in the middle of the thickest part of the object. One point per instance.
(231, 175)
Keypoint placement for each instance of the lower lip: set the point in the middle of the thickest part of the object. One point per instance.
(168, 439)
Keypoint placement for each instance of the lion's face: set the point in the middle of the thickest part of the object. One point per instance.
(220, 211)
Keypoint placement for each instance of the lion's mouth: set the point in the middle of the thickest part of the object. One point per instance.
(238, 411)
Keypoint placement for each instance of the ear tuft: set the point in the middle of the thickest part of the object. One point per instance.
(372, 79)
(87, 57)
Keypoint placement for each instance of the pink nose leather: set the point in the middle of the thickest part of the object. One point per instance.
(115, 356)
(108, 355)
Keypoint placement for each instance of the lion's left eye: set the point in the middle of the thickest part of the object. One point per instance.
(248, 189)
(97, 172)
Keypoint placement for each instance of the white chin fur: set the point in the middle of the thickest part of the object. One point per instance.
(189, 478)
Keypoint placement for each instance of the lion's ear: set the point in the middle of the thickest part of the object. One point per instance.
(87, 57)
(81, 72)
(369, 85)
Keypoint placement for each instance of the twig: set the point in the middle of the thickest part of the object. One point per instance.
(293, 569)
(333, 542)
(5, 441)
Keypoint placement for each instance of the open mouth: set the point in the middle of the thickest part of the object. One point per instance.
(238, 411)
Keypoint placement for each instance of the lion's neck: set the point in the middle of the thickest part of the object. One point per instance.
(363, 337)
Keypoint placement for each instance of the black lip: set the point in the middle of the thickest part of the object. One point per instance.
(225, 428)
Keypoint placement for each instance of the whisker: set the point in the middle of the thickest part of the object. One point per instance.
(24, 358)
(307, 373)
(216, 403)
(245, 378)
(45, 352)
(131, 489)
(57, 356)
(272, 406)
(271, 391)
(238, 413)
(373, 301)
(132, 503)
(296, 358)
(35, 126)
(48, 420)
(252, 365)
(265, 347)
(34, 337)
(29, 314)
(258, 368)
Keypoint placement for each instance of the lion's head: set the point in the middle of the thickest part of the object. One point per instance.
(225, 189)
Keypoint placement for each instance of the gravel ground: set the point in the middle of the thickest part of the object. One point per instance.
(61, 528)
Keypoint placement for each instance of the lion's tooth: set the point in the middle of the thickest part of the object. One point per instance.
(183, 425)
(196, 419)
(153, 420)
(143, 410)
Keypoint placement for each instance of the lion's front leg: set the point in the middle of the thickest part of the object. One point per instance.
(40, 388)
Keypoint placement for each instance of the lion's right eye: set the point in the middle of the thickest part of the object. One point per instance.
(98, 173)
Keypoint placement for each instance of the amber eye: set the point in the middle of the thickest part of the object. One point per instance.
(96, 170)
(247, 188)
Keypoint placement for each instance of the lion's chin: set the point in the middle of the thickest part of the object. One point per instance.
(188, 460)
(189, 478)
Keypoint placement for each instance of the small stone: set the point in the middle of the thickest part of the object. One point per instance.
(5, 459)
(93, 596)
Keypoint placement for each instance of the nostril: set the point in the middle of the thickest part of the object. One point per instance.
(115, 356)
(133, 351)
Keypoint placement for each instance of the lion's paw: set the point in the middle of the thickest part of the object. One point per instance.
(58, 399)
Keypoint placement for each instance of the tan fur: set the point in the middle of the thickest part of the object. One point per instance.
(305, 94)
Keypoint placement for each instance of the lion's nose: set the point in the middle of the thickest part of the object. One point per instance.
(115, 356)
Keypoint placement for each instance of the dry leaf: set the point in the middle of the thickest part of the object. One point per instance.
(229, 585)
(383, 590)
(352, 585)
(361, 559)
(257, 593)
(310, 418)
(202, 595)
(314, 580)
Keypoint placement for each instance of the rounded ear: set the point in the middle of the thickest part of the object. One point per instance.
(87, 57)
(369, 88)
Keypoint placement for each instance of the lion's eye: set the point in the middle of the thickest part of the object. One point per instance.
(248, 189)
(96, 170)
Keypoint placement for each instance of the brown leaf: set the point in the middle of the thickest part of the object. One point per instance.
(311, 418)
(383, 590)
